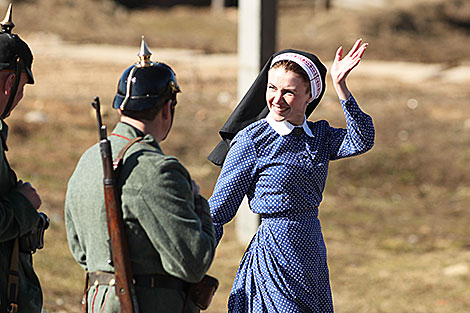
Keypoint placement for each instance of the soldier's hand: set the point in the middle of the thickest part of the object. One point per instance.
(30, 193)
(196, 189)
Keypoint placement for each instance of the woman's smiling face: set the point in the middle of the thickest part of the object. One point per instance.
(287, 96)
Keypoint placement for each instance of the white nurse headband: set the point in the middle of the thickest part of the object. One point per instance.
(308, 66)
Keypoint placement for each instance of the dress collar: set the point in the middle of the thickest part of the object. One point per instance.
(284, 128)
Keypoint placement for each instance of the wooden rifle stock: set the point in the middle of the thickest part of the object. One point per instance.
(119, 250)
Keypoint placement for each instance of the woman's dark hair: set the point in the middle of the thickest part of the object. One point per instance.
(290, 66)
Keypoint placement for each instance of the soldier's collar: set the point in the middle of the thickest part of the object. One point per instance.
(128, 131)
(4, 134)
(138, 131)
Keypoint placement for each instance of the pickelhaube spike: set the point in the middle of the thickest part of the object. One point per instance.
(144, 54)
(7, 24)
(15, 56)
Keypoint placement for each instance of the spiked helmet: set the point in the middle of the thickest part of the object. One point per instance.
(15, 56)
(145, 84)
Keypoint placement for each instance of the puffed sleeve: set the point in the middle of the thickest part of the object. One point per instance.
(357, 138)
(233, 183)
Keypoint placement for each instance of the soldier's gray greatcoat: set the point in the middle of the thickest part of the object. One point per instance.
(169, 229)
(17, 217)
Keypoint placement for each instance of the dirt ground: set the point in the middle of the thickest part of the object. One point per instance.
(395, 220)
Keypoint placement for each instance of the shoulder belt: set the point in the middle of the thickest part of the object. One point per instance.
(117, 162)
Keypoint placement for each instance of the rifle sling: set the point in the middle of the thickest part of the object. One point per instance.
(118, 160)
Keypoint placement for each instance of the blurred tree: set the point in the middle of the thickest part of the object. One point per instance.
(457, 12)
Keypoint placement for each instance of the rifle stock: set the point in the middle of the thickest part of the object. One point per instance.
(120, 254)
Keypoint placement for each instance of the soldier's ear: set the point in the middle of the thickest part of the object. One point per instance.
(8, 83)
(166, 110)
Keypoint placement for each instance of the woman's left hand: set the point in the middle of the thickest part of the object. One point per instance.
(342, 66)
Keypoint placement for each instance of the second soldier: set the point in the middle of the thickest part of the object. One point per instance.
(169, 231)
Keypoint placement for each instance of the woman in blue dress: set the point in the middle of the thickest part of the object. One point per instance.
(280, 163)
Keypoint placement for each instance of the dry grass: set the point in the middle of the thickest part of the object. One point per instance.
(395, 220)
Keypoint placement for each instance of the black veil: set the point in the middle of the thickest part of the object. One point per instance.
(252, 106)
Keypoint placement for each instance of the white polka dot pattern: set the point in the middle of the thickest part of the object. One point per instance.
(285, 267)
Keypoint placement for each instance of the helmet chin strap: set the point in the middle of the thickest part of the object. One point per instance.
(13, 90)
(172, 114)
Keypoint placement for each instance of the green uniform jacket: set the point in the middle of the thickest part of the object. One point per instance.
(17, 217)
(169, 229)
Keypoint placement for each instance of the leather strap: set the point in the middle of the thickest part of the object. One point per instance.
(118, 161)
(101, 278)
(13, 279)
(160, 281)
(84, 306)
(147, 281)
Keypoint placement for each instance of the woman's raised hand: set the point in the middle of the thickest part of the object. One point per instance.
(342, 66)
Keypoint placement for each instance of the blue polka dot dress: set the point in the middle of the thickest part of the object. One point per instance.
(285, 269)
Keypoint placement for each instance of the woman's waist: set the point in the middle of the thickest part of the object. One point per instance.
(290, 214)
(305, 226)
(284, 202)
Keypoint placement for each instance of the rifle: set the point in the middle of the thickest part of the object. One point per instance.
(119, 250)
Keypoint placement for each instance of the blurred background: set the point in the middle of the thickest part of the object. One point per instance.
(395, 220)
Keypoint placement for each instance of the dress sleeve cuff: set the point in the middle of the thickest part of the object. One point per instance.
(350, 100)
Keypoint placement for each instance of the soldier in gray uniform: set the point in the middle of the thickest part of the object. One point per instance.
(169, 231)
(21, 225)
